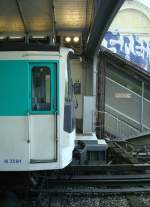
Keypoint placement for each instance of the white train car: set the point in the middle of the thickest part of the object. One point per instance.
(37, 129)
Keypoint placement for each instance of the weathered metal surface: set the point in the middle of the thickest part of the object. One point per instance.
(104, 15)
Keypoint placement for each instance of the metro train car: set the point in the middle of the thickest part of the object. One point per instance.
(37, 124)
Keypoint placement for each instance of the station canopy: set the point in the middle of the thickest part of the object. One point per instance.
(44, 17)
(40, 16)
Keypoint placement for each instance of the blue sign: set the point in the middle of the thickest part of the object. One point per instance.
(130, 47)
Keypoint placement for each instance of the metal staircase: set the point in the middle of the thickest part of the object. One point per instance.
(127, 113)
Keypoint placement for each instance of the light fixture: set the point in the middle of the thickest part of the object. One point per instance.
(68, 39)
(15, 37)
(2, 37)
(76, 39)
(53, 40)
(39, 37)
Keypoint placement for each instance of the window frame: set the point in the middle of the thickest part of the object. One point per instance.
(50, 104)
(54, 89)
(68, 102)
(70, 89)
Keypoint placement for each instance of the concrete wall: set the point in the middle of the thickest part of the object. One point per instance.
(129, 33)
(82, 72)
(77, 75)
(133, 18)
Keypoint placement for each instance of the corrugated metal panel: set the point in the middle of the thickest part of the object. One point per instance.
(38, 15)
(71, 14)
(10, 21)
(38, 18)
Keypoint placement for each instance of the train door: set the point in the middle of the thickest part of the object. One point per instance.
(42, 117)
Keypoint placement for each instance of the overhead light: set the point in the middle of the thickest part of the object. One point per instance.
(39, 37)
(2, 37)
(67, 39)
(15, 37)
(76, 39)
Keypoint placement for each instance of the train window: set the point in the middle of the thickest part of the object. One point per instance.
(40, 89)
(69, 116)
(66, 85)
(68, 82)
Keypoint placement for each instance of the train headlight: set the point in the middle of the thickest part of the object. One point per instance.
(76, 39)
(67, 39)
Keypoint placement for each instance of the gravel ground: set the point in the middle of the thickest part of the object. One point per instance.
(101, 201)
(145, 198)
(94, 201)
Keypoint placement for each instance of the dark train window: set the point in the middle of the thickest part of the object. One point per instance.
(69, 113)
(40, 89)
(68, 82)
(66, 85)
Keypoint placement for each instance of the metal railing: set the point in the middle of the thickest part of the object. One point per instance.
(128, 105)
(114, 127)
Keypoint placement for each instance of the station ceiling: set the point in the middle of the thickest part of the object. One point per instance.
(42, 16)
(46, 17)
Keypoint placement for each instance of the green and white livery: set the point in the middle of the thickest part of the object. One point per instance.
(36, 110)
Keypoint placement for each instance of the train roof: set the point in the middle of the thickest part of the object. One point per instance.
(13, 46)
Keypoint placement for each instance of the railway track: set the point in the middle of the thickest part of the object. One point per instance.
(126, 189)
(94, 184)
(51, 189)
(95, 190)
(137, 179)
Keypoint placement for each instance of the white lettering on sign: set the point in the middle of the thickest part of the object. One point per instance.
(122, 95)
(131, 47)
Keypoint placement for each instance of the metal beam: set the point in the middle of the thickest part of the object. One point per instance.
(52, 31)
(100, 98)
(105, 13)
(54, 24)
(21, 16)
